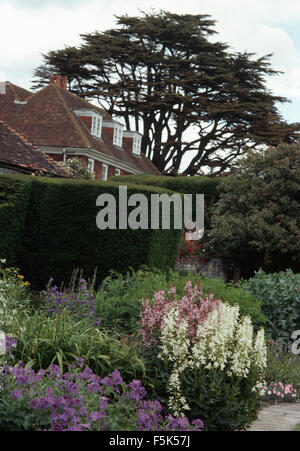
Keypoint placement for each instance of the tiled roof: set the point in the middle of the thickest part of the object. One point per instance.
(11, 103)
(18, 154)
(17, 92)
(48, 119)
(76, 103)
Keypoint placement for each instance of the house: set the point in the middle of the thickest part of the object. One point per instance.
(19, 156)
(63, 125)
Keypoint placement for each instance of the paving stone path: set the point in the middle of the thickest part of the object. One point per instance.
(277, 417)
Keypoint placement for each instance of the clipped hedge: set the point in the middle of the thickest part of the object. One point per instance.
(14, 199)
(60, 233)
(181, 184)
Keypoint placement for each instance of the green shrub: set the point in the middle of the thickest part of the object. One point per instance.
(118, 302)
(14, 199)
(280, 297)
(257, 217)
(78, 168)
(249, 304)
(60, 233)
(226, 404)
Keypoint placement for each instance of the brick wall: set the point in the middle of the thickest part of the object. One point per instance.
(87, 121)
(109, 132)
(56, 157)
(215, 268)
(97, 165)
(128, 141)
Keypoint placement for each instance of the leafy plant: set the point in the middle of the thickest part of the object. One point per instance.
(14, 291)
(118, 302)
(79, 302)
(279, 294)
(79, 400)
(283, 366)
(279, 392)
(78, 168)
(215, 369)
(43, 340)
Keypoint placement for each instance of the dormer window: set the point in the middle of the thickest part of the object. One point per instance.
(96, 125)
(133, 140)
(114, 130)
(92, 120)
(136, 145)
(118, 136)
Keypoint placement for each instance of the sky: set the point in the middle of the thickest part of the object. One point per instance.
(30, 28)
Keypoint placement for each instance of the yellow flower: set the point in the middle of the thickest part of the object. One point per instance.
(20, 277)
(26, 284)
(15, 270)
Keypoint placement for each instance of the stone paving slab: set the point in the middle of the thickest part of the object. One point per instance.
(277, 417)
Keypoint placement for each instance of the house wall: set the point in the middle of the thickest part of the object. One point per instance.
(87, 121)
(97, 165)
(109, 131)
(56, 157)
(128, 141)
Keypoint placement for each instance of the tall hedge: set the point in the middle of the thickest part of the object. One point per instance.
(14, 200)
(60, 234)
(182, 184)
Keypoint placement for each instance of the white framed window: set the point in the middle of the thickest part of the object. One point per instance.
(91, 164)
(104, 172)
(136, 146)
(118, 136)
(96, 125)
(117, 171)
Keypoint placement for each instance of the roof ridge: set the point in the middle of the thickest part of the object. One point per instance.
(73, 118)
(85, 101)
(13, 88)
(36, 93)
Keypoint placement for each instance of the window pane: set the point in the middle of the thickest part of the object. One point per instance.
(104, 172)
(93, 125)
(136, 147)
(91, 165)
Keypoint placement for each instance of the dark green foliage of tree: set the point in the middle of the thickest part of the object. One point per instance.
(257, 217)
(187, 94)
